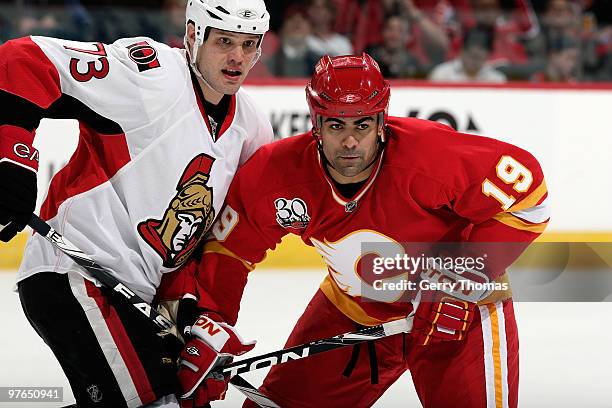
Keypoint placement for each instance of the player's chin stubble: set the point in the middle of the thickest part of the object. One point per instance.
(349, 170)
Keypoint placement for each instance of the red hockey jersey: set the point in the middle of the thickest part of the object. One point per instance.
(430, 184)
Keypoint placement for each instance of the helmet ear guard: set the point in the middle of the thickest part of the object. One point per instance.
(347, 86)
(239, 16)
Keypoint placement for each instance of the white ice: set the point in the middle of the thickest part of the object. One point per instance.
(565, 360)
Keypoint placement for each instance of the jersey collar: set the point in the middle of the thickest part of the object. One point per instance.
(231, 111)
(350, 205)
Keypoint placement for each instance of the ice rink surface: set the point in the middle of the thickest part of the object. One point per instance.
(565, 360)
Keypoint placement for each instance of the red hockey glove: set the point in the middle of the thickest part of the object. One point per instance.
(441, 317)
(212, 344)
(447, 304)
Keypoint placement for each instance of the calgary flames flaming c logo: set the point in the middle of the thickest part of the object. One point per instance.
(186, 219)
(351, 268)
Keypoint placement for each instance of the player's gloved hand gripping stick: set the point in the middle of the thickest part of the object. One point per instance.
(105, 278)
(234, 369)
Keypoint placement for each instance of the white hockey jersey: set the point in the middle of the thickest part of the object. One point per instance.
(147, 178)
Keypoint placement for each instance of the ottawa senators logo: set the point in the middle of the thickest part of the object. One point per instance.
(186, 219)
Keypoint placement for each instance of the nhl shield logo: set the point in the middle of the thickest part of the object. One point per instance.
(188, 216)
(350, 206)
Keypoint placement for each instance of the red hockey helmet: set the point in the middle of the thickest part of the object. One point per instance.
(347, 86)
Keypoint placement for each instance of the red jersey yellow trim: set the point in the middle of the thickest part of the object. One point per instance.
(348, 306)
(515, 222)
(532, 199)
(217, 248)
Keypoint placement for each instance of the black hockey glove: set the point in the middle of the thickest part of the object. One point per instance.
(17, 198)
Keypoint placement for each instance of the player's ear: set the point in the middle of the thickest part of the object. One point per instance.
(190, 34)
(381, 128)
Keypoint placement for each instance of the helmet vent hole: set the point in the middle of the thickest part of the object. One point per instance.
(239, 26)
(214, 15)
(221, 9)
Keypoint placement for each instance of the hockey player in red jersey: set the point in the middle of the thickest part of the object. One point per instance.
(162, 133)
(360, 177)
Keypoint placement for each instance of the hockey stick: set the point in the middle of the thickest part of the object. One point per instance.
(108, 280)
(306, 350)
(380, 331)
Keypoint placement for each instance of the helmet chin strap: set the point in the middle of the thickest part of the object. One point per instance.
(192, 56)
(192, 60)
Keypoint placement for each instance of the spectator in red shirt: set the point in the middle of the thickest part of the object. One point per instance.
(511, 28)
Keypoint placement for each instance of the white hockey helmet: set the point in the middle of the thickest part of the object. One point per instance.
(241, 16)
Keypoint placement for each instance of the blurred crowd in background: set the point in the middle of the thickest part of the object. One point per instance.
(442, 40)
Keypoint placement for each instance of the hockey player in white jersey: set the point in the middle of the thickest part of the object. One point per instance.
(162, 132)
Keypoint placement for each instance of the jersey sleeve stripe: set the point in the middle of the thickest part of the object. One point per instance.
(532, 199)
(535, 215)
(512, 221)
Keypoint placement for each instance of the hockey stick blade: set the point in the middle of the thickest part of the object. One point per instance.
(108, 280)
(252, 393)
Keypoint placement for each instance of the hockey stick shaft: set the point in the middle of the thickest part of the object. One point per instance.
(108, 280)
(98, 272)
(318, 346)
